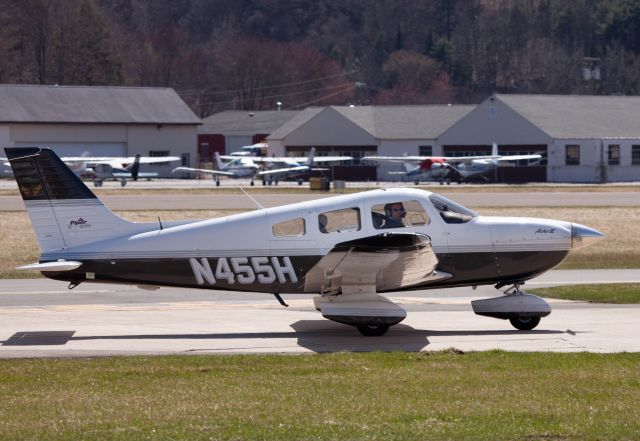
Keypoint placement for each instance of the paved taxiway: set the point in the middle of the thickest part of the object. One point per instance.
(207, 198)
(41, 318)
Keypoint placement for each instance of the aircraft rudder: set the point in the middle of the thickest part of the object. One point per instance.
(219, 163)
(64, 212)
(41, 174)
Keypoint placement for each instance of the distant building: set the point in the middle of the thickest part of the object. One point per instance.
(99, 121)
(227, 131)
(583, 138)
(364, 131)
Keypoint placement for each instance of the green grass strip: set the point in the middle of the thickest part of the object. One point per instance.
(372, 396)
(606, 293)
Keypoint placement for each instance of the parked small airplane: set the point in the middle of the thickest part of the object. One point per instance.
(120, 169)
(346, 249)
(271, 169)
(450, 168)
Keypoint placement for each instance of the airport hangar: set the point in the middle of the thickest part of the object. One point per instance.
(100, 121)
(582, 138)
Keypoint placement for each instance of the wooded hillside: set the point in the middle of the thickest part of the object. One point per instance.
(252, 54)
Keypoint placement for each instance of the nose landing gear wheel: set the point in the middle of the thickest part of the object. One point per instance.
(373, 330)
(524, 323)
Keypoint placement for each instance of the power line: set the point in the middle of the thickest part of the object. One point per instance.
(321, 98)
(281, 96)
(221, 92)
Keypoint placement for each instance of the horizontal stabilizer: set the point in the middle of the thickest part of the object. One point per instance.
(60, 265)
(201, 170)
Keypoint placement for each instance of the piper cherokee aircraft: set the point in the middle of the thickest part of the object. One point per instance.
(277, 168)
(447, 168)
(120, 169)
(346, 249)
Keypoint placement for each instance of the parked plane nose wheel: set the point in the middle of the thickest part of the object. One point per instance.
(373, 331)
(524, 323)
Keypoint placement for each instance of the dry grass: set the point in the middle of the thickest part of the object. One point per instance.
(19, 245)
(618, 250)
(304, 189)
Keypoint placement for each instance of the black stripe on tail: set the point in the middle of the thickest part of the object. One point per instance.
(42, 175)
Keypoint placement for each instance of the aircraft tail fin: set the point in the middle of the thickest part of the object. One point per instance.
(219, 163)
(64, 212)
(135, 168)
(494, 153)
(312, 154)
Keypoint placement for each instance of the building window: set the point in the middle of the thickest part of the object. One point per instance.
(613, 154)
(425, 150)
(635, 155)
(572, 155)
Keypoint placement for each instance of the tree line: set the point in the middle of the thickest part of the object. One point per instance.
(254, 54)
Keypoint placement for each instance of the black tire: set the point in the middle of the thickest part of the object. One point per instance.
(524, 323)
(217, 183)
(373, 330)
(300, 181)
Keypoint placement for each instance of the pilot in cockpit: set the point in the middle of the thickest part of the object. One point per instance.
(394, 215)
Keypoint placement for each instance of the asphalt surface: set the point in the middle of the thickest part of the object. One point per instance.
(42, 318)
(467, 194)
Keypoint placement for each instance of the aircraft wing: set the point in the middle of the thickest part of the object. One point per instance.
(119, 161)
(517, 157)
(331, 158)
(300, 168)
(377, 263)
(201, 170)
(297, 159)
(395, 158)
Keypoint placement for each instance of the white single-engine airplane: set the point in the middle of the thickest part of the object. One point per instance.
(346, 249)
(450, 168)
(120, 169)
(271, 169)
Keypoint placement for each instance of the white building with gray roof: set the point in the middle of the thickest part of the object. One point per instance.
(584, 138)
(227, 131)
(367, 130)
(99, 121)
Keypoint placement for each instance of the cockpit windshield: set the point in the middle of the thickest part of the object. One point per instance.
(452, 212)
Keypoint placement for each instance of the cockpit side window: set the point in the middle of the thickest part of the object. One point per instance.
(289, 228)
(399, 214)
(452, 212)
(347, 219)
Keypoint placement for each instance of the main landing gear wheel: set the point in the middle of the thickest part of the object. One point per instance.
(373, 330)
(524, 323)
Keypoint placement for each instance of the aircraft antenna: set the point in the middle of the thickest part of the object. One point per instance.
(250, 197)
(160, 222)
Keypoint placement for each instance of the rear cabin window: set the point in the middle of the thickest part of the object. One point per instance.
(339, 221)
(288, 228)
(399, 214)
